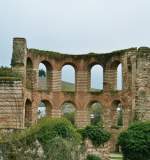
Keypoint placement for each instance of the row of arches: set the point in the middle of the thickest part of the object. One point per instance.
(68, 76)
(68, 110)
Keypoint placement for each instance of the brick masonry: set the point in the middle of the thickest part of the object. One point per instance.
(19, 102)
(11, 104)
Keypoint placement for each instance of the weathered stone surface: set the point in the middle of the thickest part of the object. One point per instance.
(19, 100)
(11, 105)
(102, 151)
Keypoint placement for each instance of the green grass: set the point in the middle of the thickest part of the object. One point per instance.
(115, 156)
(68, 86)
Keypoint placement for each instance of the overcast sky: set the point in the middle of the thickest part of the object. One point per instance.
(74, 26)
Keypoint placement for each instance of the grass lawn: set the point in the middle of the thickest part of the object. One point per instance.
(115, 156)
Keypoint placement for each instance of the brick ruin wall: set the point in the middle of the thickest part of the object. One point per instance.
(142, 100)
(11, 104)
(19, 100)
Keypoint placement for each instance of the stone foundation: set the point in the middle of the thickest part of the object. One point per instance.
(103, 152)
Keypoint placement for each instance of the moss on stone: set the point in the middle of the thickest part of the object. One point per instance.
(79, 56)
(96, 91)
(113, 92)
(144, 52)
(8, 74)
(69, 93)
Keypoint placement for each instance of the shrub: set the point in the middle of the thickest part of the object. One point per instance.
(56, 127)
(59, 149)
(135, 142)
(92, 157)
(96, 134)
(49, 133)
(70, 116)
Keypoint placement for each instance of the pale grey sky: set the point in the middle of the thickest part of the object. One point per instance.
(74, 26)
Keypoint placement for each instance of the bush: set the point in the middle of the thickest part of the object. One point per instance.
(49, 133)
(70, 116)
(60, 149)
(96, 134)
(57, 127)
(135, 142)
(92, 157)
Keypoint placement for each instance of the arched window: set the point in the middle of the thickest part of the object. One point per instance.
(115, 75)
(68, 111)
(95, 113)
(29, 67)
(119, 77)
(117, 114)
(96, 78)
(68, 78)
(44, 109)
(129, 73)
(28, 113)
(44, 76)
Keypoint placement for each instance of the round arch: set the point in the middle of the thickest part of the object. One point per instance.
(96, 77)
(44, 75)
(117, 113)
(68, 110)
(90, 65)
(28, 112)
(117, 76)
(29, 63)
(29, 67)
(44, 109)
(95, 112)
(68, 77)
(47, 64)
(71, 64)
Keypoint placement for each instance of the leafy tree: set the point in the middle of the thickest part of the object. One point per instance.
(135, 142)
(42, 73)
(70, 116)
(60, 149)
(96, 112)
(55, 136)
(96, 134)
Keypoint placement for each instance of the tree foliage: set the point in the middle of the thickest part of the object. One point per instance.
(92, 157)
(48, 134)
(51, 139)
(42, 73)
(96, 134)
(135, 142)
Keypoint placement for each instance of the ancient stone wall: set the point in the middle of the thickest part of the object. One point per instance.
(82, 64)
(82, 97)
(133, 97)
(103, 151)
(11, 104)
(142, 110)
